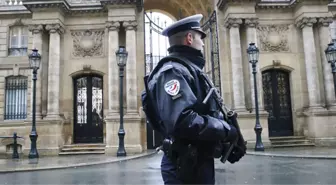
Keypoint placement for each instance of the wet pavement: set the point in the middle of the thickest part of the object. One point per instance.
(57, 162)
(299, 152)
(250, 170)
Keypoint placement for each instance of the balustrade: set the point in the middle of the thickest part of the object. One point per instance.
(11, 2)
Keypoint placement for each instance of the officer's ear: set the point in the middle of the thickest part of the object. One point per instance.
(189, 38)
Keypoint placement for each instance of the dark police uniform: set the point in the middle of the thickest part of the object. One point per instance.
(175, 93)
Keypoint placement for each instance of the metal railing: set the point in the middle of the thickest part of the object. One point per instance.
(15, 154)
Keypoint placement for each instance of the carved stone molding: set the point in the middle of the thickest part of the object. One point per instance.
(55, 28)
(35, 28)
(325, 21)
(273, 38)
(17, 22)
(113, 25)
(251, 22)
(306, 21)
(276, 63)
(86, 67)
(130, 25)
(233, 22)
(87, 43)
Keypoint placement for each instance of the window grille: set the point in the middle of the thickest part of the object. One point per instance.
(16, 98)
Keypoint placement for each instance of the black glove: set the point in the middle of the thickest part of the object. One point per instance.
(239, 149)
(237, 153)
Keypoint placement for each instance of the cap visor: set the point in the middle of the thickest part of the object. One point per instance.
(203, 34)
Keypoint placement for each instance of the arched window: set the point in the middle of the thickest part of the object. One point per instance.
(16, 97)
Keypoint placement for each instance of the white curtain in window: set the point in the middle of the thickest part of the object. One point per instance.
(18, 40)
(14, 37)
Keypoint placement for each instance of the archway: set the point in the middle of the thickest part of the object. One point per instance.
(277, 102)
(180, 8)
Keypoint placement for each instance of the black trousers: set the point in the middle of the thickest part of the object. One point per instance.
(206, 172)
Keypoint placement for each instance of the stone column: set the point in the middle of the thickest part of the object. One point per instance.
(251, 36)
(237, 65)
(55, 31)
(131, 73)
(325, 39)
(113, 75)
(37, 31)
(306, 24)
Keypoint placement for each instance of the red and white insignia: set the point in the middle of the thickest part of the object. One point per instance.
(172, 87)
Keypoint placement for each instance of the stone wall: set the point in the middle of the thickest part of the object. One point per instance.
(282, 37)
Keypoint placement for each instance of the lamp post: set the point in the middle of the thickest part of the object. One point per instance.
(121, 59)
(34, 62)
(253, 55)
(330, 53)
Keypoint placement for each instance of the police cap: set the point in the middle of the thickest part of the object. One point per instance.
(188, 23)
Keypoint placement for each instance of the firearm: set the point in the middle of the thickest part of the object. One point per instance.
(229, 115)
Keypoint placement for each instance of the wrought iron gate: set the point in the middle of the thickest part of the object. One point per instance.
(210, 27)
(277, 102)
(156, 47)
(88, 109)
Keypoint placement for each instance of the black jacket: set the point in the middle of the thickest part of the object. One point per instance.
(176, 94)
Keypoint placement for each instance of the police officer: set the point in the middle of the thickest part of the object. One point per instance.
(174, 91)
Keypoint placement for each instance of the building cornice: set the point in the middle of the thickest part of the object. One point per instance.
(137, 3)
(261, 4)
(62, 5)
(222, 3)
(280, 4)
(332, 6)
(69, 8)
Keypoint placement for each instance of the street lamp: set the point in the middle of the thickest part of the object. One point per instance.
(121, 59)
(330, 53)
(34, 62)
(253, 55)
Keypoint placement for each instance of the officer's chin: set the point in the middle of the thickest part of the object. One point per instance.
(202, 52)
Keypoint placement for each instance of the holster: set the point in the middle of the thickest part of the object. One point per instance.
(184, 157)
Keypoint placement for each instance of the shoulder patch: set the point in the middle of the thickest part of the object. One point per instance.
(172, 87)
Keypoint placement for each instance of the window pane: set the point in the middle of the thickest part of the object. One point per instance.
(24, 41)
(15, 30)
(24, 31)
(14, 42)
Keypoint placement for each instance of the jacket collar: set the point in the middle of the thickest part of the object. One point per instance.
(192, 54)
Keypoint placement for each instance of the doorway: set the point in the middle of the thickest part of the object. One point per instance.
(88, 109)
(277, 102)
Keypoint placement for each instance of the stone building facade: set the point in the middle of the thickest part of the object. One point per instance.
(77, 87)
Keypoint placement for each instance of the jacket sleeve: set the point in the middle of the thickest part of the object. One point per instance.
(176, 101)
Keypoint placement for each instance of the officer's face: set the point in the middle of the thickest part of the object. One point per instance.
(195, 41)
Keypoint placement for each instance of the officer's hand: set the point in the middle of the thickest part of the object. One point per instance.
(232, 134)
(236, 154)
